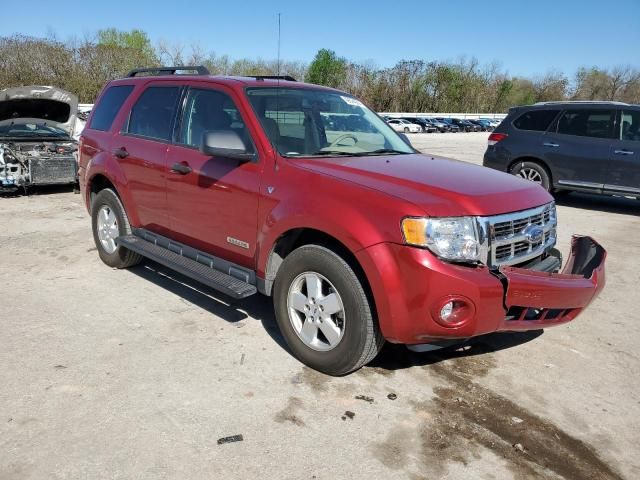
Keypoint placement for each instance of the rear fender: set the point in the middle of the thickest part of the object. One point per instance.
(103, 163)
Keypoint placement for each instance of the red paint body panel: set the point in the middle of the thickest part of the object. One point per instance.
(407, 282)
(441, 187)
(359, 201)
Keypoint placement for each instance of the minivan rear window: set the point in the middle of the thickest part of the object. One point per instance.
(537, 120)
(109, 106)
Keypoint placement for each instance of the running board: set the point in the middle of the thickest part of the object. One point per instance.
(215, 279)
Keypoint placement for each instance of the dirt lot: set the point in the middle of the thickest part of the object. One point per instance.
(136, 374)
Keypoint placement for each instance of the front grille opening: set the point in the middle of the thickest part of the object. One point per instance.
(508, 240)
(529, 313)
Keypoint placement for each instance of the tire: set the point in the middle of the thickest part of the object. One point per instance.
(534, 172)
(107, 202)
(406, 129)
(360, 338)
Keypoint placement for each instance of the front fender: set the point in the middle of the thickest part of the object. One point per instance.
(357, 217)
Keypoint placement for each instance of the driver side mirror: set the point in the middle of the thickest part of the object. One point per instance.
(226, 144)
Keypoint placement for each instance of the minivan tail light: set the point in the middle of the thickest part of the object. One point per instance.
(497, 137)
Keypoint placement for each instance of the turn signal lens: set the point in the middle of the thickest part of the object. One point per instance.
(415, 231)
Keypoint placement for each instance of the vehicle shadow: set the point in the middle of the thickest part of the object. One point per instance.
(601, 203)
(40, 190)
(258, 307)
(398, 357)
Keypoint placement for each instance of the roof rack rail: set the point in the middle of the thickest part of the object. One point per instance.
(288, 78)
(199, 69)
(580, 102)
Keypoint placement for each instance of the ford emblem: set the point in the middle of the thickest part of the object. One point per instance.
(534, 234)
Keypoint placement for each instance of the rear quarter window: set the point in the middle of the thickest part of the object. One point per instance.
(536, 120)
(105, 112)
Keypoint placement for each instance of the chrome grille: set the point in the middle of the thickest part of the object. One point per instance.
(509, 239)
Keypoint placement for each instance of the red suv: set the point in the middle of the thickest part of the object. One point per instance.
(302, 193)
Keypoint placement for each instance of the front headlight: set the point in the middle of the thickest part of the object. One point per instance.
(454, 238)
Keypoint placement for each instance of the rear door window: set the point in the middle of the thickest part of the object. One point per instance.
(105, 112)
(630, 125)
(153, 114)
(536, 120)
(587, 123)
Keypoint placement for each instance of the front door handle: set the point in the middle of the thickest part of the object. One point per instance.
(550, 144)
(623, 152)
(121, 152)
(181, 168)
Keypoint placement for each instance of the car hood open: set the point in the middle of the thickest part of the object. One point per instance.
(51, 105)
(442, 187)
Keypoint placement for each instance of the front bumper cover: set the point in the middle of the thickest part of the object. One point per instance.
(408, 282)
(540, 299)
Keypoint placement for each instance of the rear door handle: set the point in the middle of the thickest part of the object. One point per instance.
(181, 168)
(121, 152)
(550, 144)
(623, 152)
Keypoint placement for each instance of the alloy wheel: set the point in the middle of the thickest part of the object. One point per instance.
(316, 311)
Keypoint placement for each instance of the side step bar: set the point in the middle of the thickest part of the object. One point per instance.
(215, 279)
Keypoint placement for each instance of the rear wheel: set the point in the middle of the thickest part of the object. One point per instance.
(534, 172)
(324, 313)
(109, 221)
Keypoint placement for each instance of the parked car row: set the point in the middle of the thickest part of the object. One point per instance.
(441, 124)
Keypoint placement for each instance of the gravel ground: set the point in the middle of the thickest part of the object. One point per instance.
(137, 374)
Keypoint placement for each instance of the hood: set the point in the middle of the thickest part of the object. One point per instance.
(440, 186)
(51, 105)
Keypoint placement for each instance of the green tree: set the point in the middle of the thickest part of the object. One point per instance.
(132, 40)
(327, 69)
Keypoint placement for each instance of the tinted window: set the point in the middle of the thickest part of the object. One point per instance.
(152, 115)
(587, 123)
(538, 120)
(209, 111)
(630, 125)
(109, 106)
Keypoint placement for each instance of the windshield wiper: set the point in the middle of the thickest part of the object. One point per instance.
(334, 152)
(382, 151)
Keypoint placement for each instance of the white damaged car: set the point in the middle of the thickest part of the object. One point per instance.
(37, 145)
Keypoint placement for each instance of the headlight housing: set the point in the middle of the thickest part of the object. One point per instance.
(450, 238)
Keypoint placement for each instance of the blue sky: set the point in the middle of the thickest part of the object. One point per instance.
(527, 37)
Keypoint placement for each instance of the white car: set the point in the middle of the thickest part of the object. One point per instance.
(404, 126)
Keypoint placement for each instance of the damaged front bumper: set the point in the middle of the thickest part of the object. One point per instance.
(540, 299)
(411, 285)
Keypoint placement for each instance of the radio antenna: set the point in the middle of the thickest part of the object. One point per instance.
(278, 44)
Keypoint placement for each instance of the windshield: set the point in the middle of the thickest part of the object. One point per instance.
(303, 123)
(31, 130)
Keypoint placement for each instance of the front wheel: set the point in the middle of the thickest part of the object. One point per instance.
(324, 313)
(406, 129)
(534, 172)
